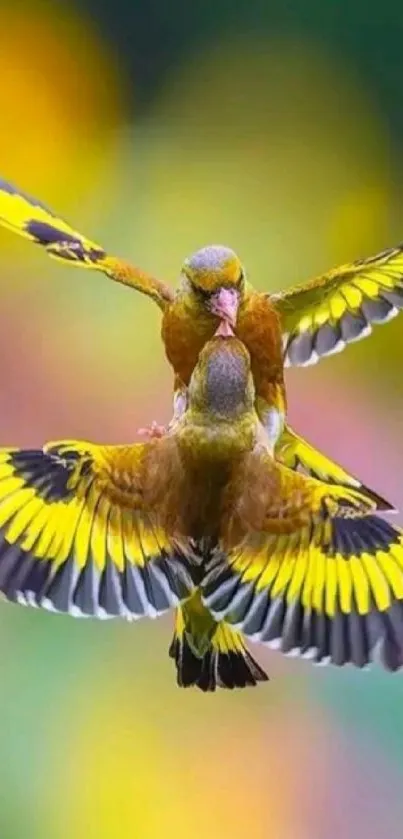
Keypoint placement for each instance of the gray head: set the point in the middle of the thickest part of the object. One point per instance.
(222, 382)
(213, 259)
(216, 276)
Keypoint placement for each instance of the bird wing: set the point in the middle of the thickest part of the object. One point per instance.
(76, 535)
(319, 575)
(322, 316)
(33, 220)
(296, 453)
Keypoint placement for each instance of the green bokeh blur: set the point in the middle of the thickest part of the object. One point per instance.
(155, 128)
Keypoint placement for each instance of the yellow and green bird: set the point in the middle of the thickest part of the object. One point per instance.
(296, 327)
(205, 521)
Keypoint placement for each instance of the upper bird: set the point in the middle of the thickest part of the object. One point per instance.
(294, 327)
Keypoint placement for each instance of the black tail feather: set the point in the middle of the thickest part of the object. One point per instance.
(215, 669)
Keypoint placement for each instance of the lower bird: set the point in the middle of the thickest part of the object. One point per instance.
(204, 520)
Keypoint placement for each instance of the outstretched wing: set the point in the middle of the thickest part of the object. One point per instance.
(30, 218)
(324, 315)
(293, 451)
(321, 576)
(76, 536)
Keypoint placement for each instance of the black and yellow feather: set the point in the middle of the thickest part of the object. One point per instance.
(31, 219)
(329, 587)
(322, 316)
(210, 654)
(74, 537)
(296, 453)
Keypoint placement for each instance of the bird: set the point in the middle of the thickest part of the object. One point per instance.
(205, 521)
(295, 327)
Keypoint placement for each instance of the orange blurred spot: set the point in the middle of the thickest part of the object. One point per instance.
(60, 98)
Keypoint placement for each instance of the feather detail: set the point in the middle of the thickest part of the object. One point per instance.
(30, 218)
(307, 567)
(299, 455)
(78, 534)
(322, 316)
(210, 655)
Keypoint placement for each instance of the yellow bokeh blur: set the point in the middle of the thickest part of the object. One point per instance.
(59, 123)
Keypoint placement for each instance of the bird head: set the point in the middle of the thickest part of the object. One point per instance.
(215, 277)
(222, 383)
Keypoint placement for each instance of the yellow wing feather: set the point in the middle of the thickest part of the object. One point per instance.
(30, 218)
(76, 537)
(293, 451)
(324, 315)
(322, 576)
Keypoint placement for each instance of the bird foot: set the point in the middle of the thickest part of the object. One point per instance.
(153, 431)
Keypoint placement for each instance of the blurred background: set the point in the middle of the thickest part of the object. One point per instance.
(155, 128)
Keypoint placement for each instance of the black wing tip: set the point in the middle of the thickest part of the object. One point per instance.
(133, 593)
(353, 537)
(382, 504)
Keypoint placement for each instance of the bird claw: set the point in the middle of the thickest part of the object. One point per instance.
(153, 431)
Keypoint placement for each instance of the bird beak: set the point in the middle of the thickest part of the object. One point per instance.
(224, 330)
(224, 304)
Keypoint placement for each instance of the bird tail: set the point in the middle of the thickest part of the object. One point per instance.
(210, 655)
(296, 453)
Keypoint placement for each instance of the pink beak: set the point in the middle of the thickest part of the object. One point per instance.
(225, 304)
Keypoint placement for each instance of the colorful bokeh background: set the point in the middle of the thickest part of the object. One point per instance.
(155, 128)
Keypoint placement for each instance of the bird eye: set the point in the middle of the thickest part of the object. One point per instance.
(241, 278)
(202, 293)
